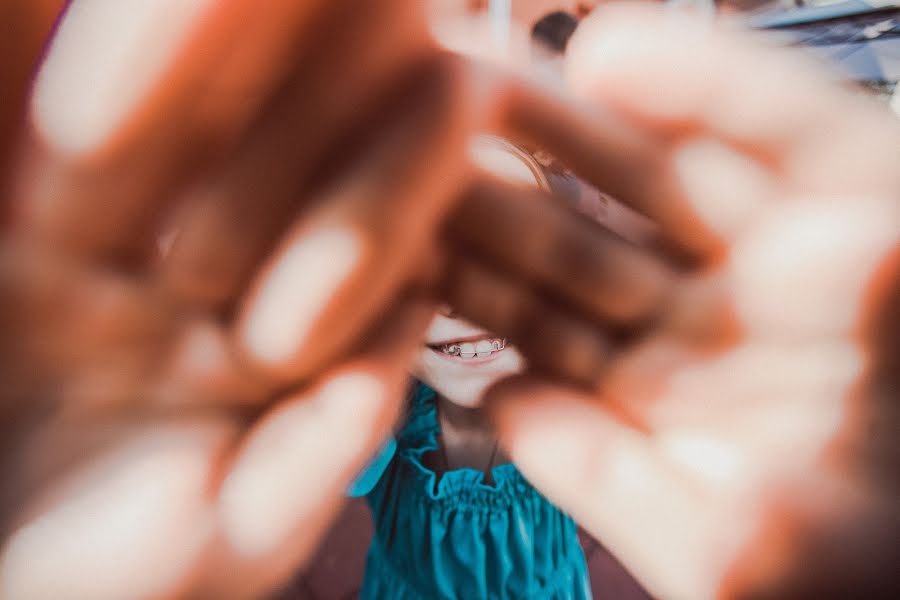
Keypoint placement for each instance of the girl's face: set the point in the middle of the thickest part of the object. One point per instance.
(460, 361)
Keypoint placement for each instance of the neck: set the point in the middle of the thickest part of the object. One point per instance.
(461, 417)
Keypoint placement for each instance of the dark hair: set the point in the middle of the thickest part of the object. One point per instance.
(554, 30)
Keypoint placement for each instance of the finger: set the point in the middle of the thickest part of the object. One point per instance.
(679, 183)
(554, 341)
(234, 216)
(681, 77)
(294, 466)
(617, 485)
(349, 254)
(135, 485)
(552, 248)
(677, 72)
(117, 146)
(25, 26)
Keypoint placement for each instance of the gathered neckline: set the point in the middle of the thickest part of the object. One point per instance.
(422, 437)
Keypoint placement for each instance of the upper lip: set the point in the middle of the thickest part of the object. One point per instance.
(462, 340)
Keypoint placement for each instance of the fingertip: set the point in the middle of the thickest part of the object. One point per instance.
(613, 49)
(300, 458)
(675, 71)
(294, 293)
(100, 66)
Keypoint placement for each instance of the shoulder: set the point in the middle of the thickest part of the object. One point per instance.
(371, 475)
(420, 421)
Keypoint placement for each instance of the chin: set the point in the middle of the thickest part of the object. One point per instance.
(463, 398)
(467, 396)
(462, 384)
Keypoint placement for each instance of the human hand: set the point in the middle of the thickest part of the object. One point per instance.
(185, 425)
(755, 459)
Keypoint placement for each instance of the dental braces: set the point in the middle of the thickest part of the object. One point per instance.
(454, 349)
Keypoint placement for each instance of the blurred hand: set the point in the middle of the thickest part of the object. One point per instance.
(751, 463)
(184, 422)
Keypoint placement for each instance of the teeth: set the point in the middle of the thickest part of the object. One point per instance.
(481, 348)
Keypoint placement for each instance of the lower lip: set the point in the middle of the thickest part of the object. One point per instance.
(475, 360)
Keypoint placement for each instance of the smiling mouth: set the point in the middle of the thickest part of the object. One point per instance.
(470, 348)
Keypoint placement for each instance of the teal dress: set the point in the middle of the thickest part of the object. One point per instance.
(459, 538)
